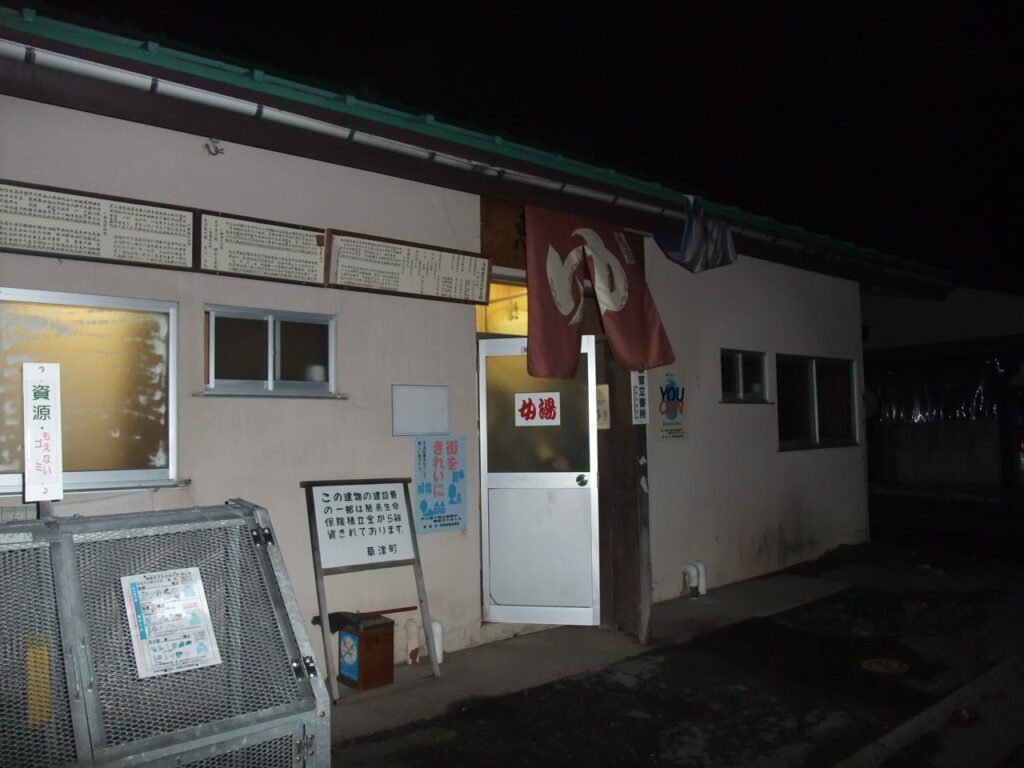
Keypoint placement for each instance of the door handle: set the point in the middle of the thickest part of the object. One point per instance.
(581, 480)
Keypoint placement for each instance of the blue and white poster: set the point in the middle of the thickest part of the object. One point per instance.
(169, 620)
(439, 483)
(670, 408)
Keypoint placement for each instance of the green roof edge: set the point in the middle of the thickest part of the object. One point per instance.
(243, 77)
(254, 79)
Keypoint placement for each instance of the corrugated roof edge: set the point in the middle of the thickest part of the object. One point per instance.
(254, 79)
(771, 227)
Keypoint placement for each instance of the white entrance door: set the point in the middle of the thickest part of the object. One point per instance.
(538, 465)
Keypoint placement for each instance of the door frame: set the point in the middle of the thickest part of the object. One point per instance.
(555, 615)
(623, 499)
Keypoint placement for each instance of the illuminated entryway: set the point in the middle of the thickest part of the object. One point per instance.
(514, 553)
(539, 524)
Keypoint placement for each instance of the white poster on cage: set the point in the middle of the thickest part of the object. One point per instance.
(169, 620)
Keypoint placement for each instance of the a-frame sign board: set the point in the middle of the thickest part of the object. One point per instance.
(362, 525)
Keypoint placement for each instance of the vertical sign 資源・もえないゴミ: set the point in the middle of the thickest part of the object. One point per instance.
(42, 451)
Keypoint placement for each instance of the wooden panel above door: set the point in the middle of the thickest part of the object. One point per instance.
(503, 234)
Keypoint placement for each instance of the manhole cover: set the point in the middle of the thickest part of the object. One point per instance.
(885, 666)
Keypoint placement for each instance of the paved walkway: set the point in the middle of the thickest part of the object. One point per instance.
(533, 659)
(778, 671)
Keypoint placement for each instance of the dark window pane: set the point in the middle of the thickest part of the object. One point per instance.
(796, 410)
(730, 374)
(303, 353)
(240, 349)
(835, 401)
(753, 376)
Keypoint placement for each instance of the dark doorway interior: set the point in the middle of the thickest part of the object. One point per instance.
(621, 448)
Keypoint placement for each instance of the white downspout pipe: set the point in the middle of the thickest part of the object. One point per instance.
(412, 641)
(702, 577)
(695, 578)
(438, 630)
(691, 580)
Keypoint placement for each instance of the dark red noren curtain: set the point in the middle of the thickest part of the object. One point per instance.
(561, 251)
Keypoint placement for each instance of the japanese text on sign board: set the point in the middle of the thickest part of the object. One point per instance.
(401, 268)
(538, 409)
(440, 483)
(362, 524)
(44, 476)
(638, 382)
(64, 224)
(258, 249)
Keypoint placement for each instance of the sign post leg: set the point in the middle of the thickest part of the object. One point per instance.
(325, 632)
(321, 599)
(428, 625)
(421, 588)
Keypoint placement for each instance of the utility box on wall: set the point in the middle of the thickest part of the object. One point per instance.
(155, 639)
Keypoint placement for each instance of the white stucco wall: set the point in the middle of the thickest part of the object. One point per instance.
(965, 313)
(260, 449)
(725, 494)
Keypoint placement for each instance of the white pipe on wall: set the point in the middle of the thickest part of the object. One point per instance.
(691, 580)
(412, 641)
(438, 629)
(87, 68)
(103, 72)
(695, 578)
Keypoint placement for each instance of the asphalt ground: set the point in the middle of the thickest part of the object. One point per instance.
(810, 686)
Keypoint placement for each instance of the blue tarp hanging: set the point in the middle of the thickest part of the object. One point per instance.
(703, 243)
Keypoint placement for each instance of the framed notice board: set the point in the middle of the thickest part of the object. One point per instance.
(48, 221)
(382, 265)
(268, 250)
(362, 525)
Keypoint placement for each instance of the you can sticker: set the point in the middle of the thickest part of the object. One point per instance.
(671, 401)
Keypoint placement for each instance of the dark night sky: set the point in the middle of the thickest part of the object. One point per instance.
(895, 128)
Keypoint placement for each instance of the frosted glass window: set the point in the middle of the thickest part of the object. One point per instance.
(116, 393)
(562, 448)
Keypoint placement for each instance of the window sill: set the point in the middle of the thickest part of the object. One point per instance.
(272, 395)
(101, 486)
(816, 446)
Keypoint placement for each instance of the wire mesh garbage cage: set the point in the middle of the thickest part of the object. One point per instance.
(156, 639)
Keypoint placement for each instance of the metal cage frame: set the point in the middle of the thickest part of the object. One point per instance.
(68, 690)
